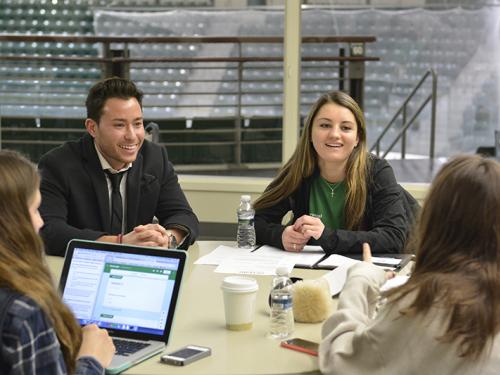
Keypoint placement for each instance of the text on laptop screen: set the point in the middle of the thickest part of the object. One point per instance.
(129, 292)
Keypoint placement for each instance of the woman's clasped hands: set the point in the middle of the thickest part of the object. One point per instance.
(296, 236)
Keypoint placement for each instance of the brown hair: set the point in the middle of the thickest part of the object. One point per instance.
(22, 264)
(304, 161)
(458, 253)
(108, 88)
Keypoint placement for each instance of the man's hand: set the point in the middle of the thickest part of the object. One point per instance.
(155, 233)
(147, 235)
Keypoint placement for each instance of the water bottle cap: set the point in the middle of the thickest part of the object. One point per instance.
(282, 271)
(246, 198)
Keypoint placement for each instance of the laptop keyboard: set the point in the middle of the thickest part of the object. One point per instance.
(125, 347)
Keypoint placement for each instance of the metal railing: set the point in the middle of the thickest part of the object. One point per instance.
(241, 71)
(403, 109)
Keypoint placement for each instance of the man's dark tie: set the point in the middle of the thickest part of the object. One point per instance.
(116, 202)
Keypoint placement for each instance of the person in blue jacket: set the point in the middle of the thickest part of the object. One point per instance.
(38, 333)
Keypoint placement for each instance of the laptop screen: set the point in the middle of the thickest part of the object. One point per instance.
(122, 288)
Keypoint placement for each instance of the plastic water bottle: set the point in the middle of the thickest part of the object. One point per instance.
(246, 230)
(282, 323)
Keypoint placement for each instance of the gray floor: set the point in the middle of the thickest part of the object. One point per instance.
(416, 170)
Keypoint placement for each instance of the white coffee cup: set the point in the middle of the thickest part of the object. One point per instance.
(239, 301)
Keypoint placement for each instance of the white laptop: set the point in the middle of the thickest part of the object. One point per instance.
(131, 291)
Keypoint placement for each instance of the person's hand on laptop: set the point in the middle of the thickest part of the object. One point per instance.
(97, 343)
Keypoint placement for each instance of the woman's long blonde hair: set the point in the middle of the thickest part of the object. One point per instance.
(22, 264)
(458, 254)
(304, 162)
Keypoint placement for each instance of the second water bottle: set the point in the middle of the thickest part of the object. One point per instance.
(282, 321)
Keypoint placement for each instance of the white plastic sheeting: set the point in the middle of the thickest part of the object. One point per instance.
(460, 45)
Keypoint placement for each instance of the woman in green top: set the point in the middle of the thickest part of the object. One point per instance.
(339, 194)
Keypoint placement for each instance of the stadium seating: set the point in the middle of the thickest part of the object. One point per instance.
(408, 43)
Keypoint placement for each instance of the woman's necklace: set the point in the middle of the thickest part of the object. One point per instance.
(332, 189)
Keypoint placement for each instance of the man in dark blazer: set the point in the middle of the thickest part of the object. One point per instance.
(78, 195)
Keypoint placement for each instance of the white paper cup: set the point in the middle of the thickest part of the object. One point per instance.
(239, 301)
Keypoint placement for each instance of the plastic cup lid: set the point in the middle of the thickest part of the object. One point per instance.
(239, 284)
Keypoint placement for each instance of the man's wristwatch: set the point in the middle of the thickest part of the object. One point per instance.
(172, 241)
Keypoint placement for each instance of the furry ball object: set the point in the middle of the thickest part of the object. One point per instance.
(312, 302)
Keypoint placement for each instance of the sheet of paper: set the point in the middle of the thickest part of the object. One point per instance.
(220, 254)
(336, 260)
(336, 278)
(394, 282)
(311, 248)
(254, 264)
(307, 257)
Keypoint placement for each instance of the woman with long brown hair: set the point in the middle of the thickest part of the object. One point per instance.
(38, 333)
(446, 318)
(340, 195)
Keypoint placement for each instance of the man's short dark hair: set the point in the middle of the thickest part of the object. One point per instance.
(114, 87)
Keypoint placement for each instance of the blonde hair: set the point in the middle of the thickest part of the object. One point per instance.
(22, 264)
(304, 162)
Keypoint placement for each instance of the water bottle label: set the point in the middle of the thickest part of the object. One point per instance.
(282, 304)
(246, 222)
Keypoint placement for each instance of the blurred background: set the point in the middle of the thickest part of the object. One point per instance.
(426, 73)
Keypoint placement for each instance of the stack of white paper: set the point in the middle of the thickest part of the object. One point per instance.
(253, 264)
(336, 260)
(305, 258)
(262, 261)
(337, 278)
(221, 253)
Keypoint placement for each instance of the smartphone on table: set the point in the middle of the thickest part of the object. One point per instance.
(186, 355)
(301, 345)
